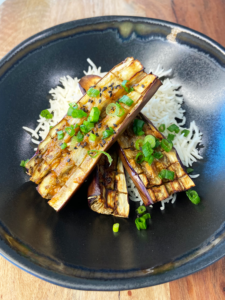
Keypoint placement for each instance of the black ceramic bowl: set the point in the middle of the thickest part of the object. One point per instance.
(76, 247)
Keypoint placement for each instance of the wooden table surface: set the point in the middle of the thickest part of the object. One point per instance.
(19, 19)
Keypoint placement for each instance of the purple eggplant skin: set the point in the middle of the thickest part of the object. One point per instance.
(87, 81)
(136, 179)
(94, 186)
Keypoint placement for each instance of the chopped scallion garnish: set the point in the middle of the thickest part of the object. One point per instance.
(94, 153)
(193, 196)
(87, 126)
(151, 139)
(60, 135)
(149, 159)
(141, 223)
(46, 114)
(166, 145)
(112, 109)
(23, 163)
(157, 155)
(79, 137)
(173, 128)
(185, 132)
(141, 209)
(139, 143)
(139, 157)
(170, 137)
(93, 92)
(92, 137)
(128, 90)
(94, 115)
(107, 133)
(63, 146)
(116, 227)
(147, 149)
(126, 100)
(146, 216)
(166, 174)
(70, 130)
(189, 170)
(162, 127)
(138, 127)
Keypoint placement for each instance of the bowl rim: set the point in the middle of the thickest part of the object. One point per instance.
(196, 263)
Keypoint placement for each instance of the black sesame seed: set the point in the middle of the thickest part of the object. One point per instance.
(114, 125)
(103, 142)
(112, 88)
(78, 144)
(92, 131)
(100, 100)
(101, 145)
(143, 85)
(99, 125)
(100, 90)
(110, 92)
(89, 100)
(75, 148)
(97, 134)
(100, 94)
(88, 135)
(68, 160)
(105, 88)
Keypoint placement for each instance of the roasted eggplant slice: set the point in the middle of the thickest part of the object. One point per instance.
(54, 152)
(145, 177)
(107, 192)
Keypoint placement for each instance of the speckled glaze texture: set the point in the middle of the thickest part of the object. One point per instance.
(76, 247)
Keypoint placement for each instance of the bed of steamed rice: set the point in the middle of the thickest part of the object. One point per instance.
(165, 107)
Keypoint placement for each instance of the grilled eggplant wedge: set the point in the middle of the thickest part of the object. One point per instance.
(151, 187)
(107, 192)
(59, 167)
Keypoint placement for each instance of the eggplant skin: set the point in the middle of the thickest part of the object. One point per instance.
(109, 198)
(151, 188)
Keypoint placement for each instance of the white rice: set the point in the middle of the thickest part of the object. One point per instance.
(164, 108)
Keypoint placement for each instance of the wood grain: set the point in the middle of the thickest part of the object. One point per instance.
(19, 19)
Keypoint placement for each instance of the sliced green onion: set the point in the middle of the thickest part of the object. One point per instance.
(121, 112)
(193, 196)
(107, 133)
(70, 131)
(141, 223)
(157, 143)
(173, 128)
(138, 126)
(170, 137)
(23, 163)
(185, 132)
(124, 85)
(60, 135)
(162, 127)
(78, 113)
(166, 174)
(93, 92)
(189, 170)
(147, 149)
(46, 114)
(166, 145)
(157, 155)
(92, 155)
(139, 159)
(63, 146)
(146, 216)
(126, 100)
(92, 137)
(87, 126)
(141, 209)
(151, 139)
(79, 137)
(50, 127)
(94, 115)
(73, 105)
(149, 159)
(139, 143)
(116, 227)
(112, 109)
